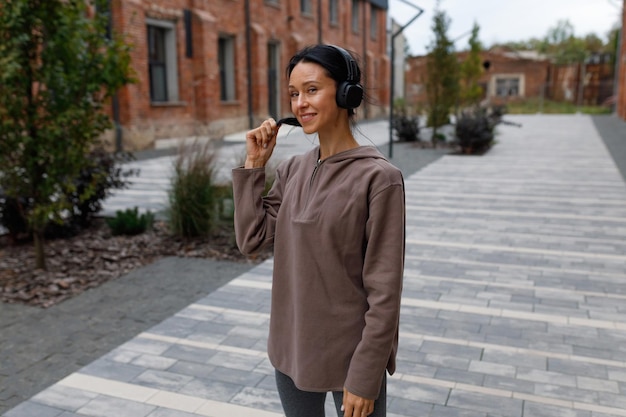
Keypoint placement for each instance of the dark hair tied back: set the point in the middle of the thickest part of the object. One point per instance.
(340, 66)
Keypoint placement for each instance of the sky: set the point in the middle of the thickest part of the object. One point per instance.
(503, 20)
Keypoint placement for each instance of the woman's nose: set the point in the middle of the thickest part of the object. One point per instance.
(301, 101)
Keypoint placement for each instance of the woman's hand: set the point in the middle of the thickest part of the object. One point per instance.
(355, 406)
(260, 144)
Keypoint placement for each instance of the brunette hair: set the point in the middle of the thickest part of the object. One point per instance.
(330, 58)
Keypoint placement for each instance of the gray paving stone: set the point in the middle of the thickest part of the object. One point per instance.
(259, 399)
(577, 368)
(211, 389)
(448, 411)
(509, 384)
(613, 400)
(567, 393)
(191, 368)
(405, 407)
(456, 351)
(32, 409)
(162, 380)
(497, 406)
(236, 376)
(515, 359)
(164, 412)
(108, 406)
(417, 392)
(113, 370)
(235, 361)
(64, 398)
(491, 368)
(546, 410)
(459, 375)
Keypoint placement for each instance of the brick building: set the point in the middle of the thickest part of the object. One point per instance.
(588, 83)
(212, 67)
(507, 75)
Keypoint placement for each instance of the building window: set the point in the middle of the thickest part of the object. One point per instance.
(374, 22)
(226, 58)
(162, 58)
(355, 16)
(306, 7)
(333, 11)
(507, 87)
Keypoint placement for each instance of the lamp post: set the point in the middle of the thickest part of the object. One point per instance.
(393, 78)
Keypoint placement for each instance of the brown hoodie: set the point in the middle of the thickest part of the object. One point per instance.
(338, 232)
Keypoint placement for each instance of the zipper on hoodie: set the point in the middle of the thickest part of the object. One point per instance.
(317, 165)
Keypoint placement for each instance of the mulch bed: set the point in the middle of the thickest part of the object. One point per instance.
(94, 257)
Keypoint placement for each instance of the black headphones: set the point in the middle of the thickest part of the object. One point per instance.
(349, 92)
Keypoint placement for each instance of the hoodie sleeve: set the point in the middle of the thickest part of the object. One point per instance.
(382, 281)
(255, 215)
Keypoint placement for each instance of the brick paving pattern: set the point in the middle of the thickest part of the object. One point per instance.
(514, 301)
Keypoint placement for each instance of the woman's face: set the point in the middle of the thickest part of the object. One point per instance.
(312, 94)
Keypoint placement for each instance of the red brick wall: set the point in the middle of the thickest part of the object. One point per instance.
(597, 80)
(199, 110)
(534, 74)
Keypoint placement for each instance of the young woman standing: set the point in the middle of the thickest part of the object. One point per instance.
(336, 218)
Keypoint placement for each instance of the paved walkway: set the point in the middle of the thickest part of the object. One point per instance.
(514, 301)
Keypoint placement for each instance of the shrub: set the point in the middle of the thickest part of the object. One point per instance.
(103, 174)
(193, 198)
(12, 216)
(130, 222)
(407, 128)
(474, 131)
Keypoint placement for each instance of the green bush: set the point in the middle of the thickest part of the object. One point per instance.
(130, 222)
(475, 131)
(103, 173)
(194, 198)
(12, 216)
(407, 128)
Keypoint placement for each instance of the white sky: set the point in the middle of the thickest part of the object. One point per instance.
(504, 20)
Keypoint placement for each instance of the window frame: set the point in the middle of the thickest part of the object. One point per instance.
(306, 7)
(226, 64)
(374, 22)
(355, 16)
(169, 63)
(518, 80)
(333, 12)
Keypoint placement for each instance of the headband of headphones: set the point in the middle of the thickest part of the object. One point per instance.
(351, 65)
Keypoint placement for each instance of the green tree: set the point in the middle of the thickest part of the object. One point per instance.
(58, 68)
(562, 45)
(442, 83)
(471, 70)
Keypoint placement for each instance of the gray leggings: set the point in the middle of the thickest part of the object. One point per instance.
(298, 403)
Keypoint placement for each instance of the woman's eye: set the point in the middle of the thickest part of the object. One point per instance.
(312, 90)
(293, 94)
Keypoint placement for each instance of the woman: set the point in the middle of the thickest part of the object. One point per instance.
(335, 216)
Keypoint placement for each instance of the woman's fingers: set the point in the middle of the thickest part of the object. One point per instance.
(355, 406)
(260, 143)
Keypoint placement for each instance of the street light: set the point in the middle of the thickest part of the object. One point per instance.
(393, 78)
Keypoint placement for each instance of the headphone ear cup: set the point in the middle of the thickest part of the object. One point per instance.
(349, 95)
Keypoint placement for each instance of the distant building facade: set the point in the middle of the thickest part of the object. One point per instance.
(506, 76)
(587, 83)
(517, 75)
(212, 67)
